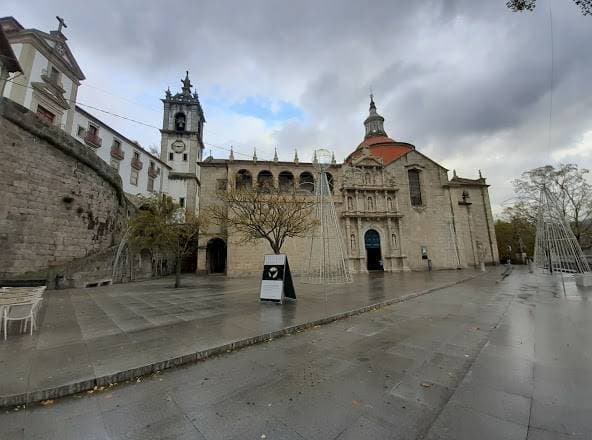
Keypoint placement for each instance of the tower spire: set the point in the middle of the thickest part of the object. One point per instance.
(186, 84)
(374, 123)
(296, 160)
(231, 157)
(275, 156)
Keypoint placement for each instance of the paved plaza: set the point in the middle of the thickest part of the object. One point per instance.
(98, 336)
(480, 360)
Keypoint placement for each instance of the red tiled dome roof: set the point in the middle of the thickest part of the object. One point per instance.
(383, 147)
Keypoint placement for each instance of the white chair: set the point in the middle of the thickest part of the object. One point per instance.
(20, 304)
(23, 311)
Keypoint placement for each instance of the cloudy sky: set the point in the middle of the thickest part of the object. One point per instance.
(466, 81)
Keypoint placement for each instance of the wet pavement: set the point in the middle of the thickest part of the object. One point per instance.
(479, 360)
(109, 334)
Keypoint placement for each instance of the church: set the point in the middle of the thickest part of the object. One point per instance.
(398, 209)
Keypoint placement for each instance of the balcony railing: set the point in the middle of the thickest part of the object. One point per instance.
(92, 139)
(117, 152)
(137, 164)
(153, 172)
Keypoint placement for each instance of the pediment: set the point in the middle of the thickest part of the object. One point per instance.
(50, 93)
(54, 48)
(61, 50)
(367, 159)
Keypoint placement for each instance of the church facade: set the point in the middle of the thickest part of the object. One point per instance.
(398, 209)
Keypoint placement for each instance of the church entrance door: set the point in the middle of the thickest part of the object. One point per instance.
(373, 254)
(216, 256)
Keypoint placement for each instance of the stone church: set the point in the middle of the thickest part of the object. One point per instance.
(398, 209)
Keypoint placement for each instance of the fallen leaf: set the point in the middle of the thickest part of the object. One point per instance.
(47, 402)
(426, 385)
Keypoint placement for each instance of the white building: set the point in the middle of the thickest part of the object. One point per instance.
(141, 172)
(50, 79)
(49, 85)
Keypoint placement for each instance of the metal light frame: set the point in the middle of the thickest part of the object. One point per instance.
(556, 247)
(327, 258)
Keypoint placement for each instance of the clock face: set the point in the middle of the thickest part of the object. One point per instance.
(178, 146)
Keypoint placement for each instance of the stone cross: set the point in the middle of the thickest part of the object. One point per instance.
(62, 23)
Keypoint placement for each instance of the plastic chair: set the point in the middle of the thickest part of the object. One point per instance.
(24, 311)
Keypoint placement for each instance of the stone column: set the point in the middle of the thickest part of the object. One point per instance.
(390, 236)
(360, 245)
(3, 78)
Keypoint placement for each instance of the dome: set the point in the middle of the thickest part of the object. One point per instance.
(378, 142)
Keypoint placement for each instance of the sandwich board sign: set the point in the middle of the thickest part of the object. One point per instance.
(276, 281)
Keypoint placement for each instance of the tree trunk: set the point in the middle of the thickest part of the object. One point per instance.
(178, 273)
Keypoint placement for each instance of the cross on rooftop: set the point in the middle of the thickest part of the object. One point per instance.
(62, 23)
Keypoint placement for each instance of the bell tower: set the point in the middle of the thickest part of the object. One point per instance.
(181, 145)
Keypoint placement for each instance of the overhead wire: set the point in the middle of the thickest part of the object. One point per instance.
(215, 146)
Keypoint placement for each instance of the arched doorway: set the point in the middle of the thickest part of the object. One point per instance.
(373, 255)
(216, 256)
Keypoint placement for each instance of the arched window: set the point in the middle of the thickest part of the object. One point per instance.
(414, 187)
(370, 204)
(286, 181)
(180, 121)
(307, 182)
(350, 203)
(394, 241)
(243, 180)
(352, 241)
(265, 180)
(331, 182)
(389, 204)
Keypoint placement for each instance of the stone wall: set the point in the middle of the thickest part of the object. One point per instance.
(59, 201)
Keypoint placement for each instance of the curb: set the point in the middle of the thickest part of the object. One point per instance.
(134, 373)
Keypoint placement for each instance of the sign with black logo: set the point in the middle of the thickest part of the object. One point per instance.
(276, 281)
(424, 252)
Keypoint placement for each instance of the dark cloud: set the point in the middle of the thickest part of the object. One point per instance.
(466, 81)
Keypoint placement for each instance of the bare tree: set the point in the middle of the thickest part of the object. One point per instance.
(265, 213)
(164, 227)
(529, 5)
(571, 190)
